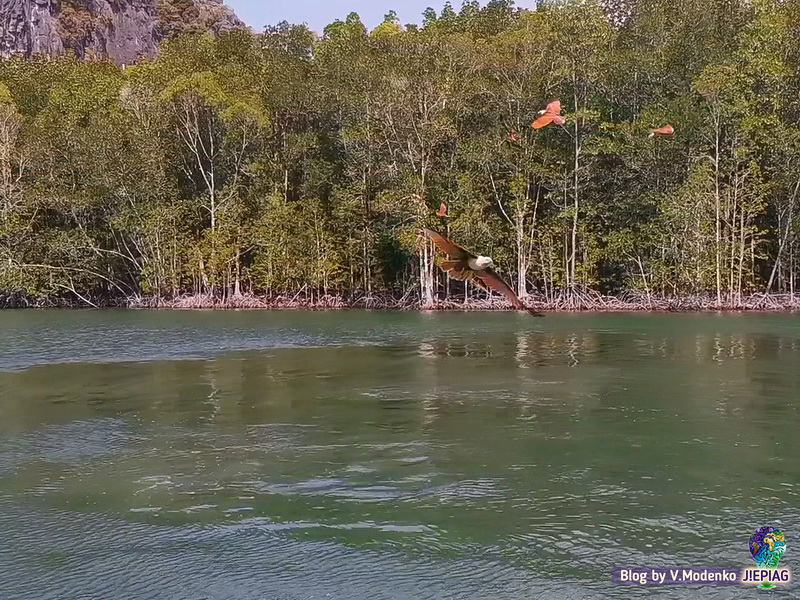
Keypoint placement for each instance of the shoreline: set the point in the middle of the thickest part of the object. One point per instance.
(578, 303)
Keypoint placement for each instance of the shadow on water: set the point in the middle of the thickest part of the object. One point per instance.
(435, 456)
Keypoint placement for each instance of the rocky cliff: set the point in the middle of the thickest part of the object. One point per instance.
(123, 30)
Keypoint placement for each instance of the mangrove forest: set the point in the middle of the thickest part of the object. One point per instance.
(291, 168)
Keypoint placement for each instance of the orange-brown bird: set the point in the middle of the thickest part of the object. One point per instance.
(663, 130)
(464, 265)
(442, 212)
(551, 114)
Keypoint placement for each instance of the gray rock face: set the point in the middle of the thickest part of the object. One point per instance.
(130, 33)
(122, 30)
(27, 27)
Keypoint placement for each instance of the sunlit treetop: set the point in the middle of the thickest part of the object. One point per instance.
(5, 94)
(389, 26)
(352, 25)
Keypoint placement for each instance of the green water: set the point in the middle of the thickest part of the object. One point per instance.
(371, 455)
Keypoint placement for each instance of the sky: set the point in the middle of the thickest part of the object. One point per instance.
(319, 13)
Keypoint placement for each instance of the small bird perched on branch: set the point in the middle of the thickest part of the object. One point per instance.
(442, 212)
(464, 265)
(551, 114)
(663, 130)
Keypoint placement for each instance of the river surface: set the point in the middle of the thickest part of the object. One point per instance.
(377, 455)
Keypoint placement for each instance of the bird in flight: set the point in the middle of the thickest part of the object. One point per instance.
(442, 212)
(551, 114)
(467, 266)
(663, 130)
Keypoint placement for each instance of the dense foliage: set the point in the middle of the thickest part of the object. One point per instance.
(284, 164)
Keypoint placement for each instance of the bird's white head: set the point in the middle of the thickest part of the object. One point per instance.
(483, 262)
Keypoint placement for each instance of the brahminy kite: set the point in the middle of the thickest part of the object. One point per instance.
(663, 130)
(551, 114)
(464, 265)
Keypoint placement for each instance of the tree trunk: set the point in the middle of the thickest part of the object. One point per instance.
(237, 287)
(717, 209)
(426, 276)
(574, 238)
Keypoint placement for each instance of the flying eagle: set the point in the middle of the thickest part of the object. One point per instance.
(465, 265)
(663, 130)
(551, 114)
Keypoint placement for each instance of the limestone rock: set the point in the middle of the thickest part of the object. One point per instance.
(122, 30)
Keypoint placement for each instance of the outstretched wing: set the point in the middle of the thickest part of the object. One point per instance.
(449, 247)
(548, 118)
(554, 107)
(492, 280)
(663, 130)
(543, 121)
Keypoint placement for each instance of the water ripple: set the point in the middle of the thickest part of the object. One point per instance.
(440, 456)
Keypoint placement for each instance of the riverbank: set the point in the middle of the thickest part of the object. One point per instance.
(575, 302)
